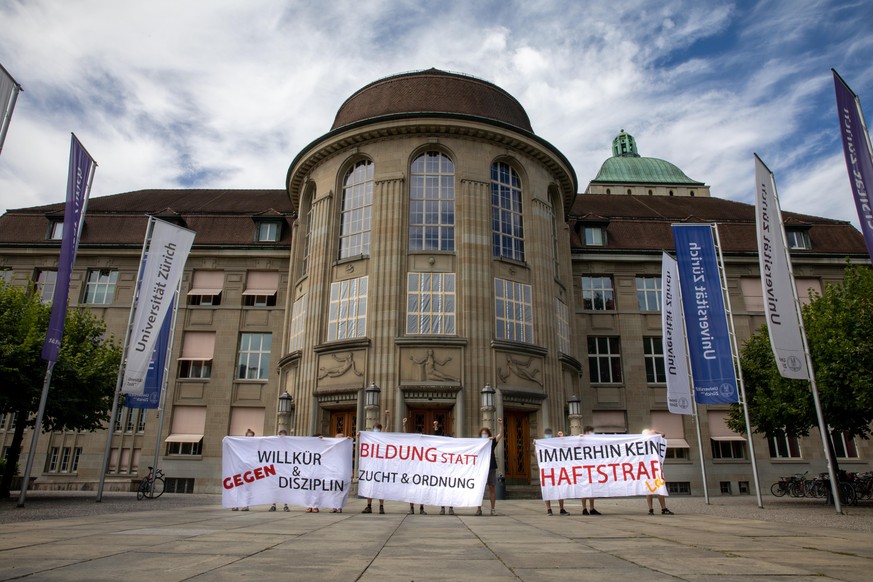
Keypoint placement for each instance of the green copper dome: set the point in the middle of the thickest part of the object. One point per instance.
(626, 166)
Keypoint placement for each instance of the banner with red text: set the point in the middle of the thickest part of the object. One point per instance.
(601, 466)
(423, 469)
(305, 471)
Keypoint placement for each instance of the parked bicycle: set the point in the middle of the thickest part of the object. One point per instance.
(152, 485)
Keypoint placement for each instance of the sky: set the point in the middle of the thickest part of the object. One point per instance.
(224, 94)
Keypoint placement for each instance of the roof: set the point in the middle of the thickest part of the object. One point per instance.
(432, 91)
(642, 223)
(626, 166)
(219, 217)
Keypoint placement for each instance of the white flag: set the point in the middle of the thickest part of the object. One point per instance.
(9, 90)
(168, 251)
(780, 295)
(673, 333)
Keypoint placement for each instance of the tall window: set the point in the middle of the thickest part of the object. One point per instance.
(298, 316)
(53, 459)
(562, 320)
(65, 459)
(430, 303)
(598, 293)
(506, 215)
(46, 281)
(356, 210)
(513, 311)
(100, 287)
(306, 237)
(140, 420)
(131, 420)
(432, 203)
(347, 315)
(783, 446)
(653, 352)
(649, 293)
(604, 360)
(844, 447)
(74, 466)
(254, 356)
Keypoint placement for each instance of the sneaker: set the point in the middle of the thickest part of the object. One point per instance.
(651, 512)
(234, 508)
(479, 511)
(493, 512)
(244, 509)
(451, 511)
(666, 511)
(585, 511)
(272, 508)
(368, 509)
(594, 512)
(442, 510)
(564, 512)
(548, 512)
(285, 509)
(381, 510)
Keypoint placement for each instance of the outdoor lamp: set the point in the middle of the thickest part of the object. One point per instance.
(488, 396)
(372, 395)
(575, 405)
(285, 403)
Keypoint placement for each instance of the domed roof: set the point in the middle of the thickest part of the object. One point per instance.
(432, 91)
(627, 166)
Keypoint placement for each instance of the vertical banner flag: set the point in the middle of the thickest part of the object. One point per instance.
(9, 90)
(81, 165)
(859, 160)
(709, 343)
(168, 251)
(777, 284)
(154, 380)
(424, 469)
(673, 333)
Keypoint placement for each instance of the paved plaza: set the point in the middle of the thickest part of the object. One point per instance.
(65, 536)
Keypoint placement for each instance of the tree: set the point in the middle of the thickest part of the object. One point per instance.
(839, 328)
(83, 379)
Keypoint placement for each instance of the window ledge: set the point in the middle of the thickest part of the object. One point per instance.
(184, 457)
(788, 460)
(251, 380)
(427, 340)
(340, 345)
(731, 461)
(195, 380)
(513, 262)
(519, 347)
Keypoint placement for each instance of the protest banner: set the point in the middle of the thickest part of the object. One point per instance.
(423, 469)
(305, 471)
(601, 466)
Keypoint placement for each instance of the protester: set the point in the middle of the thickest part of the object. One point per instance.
(485, 433)
(282, 432)
(314, 509)
(421, 510)
(369, 509)
(339, 435)
(438, 431)
(547, 434)
(649, 498)
(249, 433)
(588, 429)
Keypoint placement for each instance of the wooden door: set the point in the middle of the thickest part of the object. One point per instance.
(343, 421)
(421, 420)
(516, 449)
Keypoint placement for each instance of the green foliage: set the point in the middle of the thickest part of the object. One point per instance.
(839, 327)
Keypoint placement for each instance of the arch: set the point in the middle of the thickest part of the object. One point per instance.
(507, 210)
(355, 206)
(431, 201)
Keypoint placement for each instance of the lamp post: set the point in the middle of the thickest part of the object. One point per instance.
(574, 406)
(372, 395)
(286, 407)
(487, 410)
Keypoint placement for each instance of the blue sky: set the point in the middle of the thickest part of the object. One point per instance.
(224, 94)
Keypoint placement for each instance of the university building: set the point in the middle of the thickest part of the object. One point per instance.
(430, 258)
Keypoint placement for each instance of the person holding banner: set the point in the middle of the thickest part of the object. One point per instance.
(649, 498)
(283, 433)
(421, 510)
(249, 433)
(491, 483)
(377, 428)
(588, 429)
(547, 434)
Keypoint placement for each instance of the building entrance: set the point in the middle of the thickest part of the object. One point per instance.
(421, 420)
(516, 449)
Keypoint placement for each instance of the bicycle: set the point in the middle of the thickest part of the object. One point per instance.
(152, 486)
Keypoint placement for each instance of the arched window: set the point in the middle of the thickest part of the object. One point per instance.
(506, 212)
(356, 210)
(432, 203)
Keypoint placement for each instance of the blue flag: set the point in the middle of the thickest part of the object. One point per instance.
(154, 379)
(709, 343)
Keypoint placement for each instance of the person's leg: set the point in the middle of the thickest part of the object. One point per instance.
(492, 494)
(548, 507)
(561, 506)
(663, 501)
(411, 509)
(369, 508)
(649, 504)
(382, 506)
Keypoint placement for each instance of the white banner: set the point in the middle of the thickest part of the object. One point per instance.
(601, 466)
(674, 342)
(423, 469)
(168, 251)
(777, 284)
(305, 471)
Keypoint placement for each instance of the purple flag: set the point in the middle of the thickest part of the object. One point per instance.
(78, 178)
(856, 146)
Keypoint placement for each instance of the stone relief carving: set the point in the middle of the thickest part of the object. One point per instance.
(428, 367)
(519, 369)
(344, 364)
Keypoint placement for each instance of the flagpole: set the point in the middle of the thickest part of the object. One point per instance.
(111, 428)
(738, 366)
(47, 382)
(696, 416)
(165, 379)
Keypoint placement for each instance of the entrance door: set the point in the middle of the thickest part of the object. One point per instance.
(343, 421)
(421, 420)
(516, 450)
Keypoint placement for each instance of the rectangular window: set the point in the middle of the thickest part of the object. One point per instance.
(726, 444)
(798, 240)
(347, 314)
(595, 236)
(432, 203)
(13, 420)
(56, 230)
(649, 293)
(562, 320)
(679, 487)
(186, 431)
(306, 238)
(357, 211)
(206, 287)
(783, 446)
(513, 307)
(680, 454)
(45, 285)
(131, 420)
(743, 487)
(74, 465)
(604, 360)
(66, 452)
(100, 287)
(119, 419)
(430, 303)
(190, 449)
(725, 487)
(197, 350)
(298, 318)
(268, 231)
(254, 356)
(598, 293)
(672, 426)
(261, 288)
(844, 447)
(735, 450)
(179, 485)
(653, 353)
(140, 420)
(53, 460)
(507, 220)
